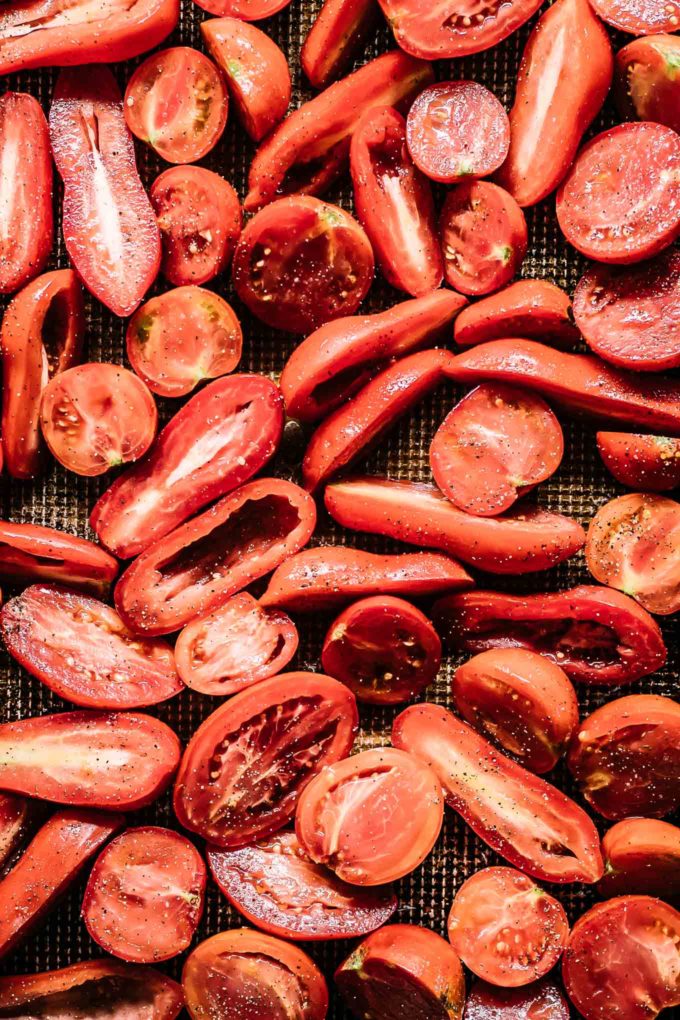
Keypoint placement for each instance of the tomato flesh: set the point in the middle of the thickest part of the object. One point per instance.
(30, 552)
(246, 10)
(642, 855)
(340, 30)
(649, 463)
(13, 817)
(540, 1001)
(639, 17)
(647, 82)
(532, 308)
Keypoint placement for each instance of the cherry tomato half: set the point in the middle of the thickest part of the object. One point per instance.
(14, 813)
(531, 308)
(647, 82)
(642, 855)
(543, 1000)
(639, 17)
(649, 463)
(30, 552)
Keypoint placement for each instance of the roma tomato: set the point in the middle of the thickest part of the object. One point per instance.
(520, 700)
(81, 649)
(647, 80)
(532, 824)
(506, 929)
(626, 757)
(301, 262)
(642, 855)
(639, 17)
(484, 237)
(622, 960)
(650, 463)
(531, 308)
(176, 101)
(338, 32)
(178, 339)
(246, 10)
(14, 812)
(214, 443)
(620, 202)
(26, 223)
(276, 887)
(384, 649)
(242, 974)
(403, 971)
(633, 545)
(495, 445)
(255, 69)
(29, 552)
(542, 1000)
(144, 897)
(246, 765)
(97, 416)
(235, 646)
(115, 760)
(199, 217)
(394, 202)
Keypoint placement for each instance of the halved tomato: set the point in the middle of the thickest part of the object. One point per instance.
(640, 17)
(13, 816)
(533, 308)
(246, 10)
(647, 81)
(543, 1000)
(649, 463)
(30, 552)
(642, 855)
(338, 32)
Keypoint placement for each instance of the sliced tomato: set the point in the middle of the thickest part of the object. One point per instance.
(532, 308)
(30, 552)
(394, 202)
(647, 80)
(339, 31)
(620, 202)
(639, 17)
(246, 10)
(215, 442)
(650, 463)
(532, 824)
(242, 974)
(622, 960)
(542, 1000)
(246, 765)
(642, 855)
(495, 445)
(13, 816)
(237, 645)
(276, 887)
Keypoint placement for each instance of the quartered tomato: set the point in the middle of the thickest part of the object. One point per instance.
(640, 17)
(178, 339)
(13, 816)
(177, 102)
(505, 928)
(246, 10)
(235, 646)
(495, 445)
(30, 552)
(338, 32)
(542, 1000)
(642, 855)
(650, 463)
(647, 81)
(530, 308)
(276, 887)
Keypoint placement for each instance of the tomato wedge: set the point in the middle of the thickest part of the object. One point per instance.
(246, 765)
(14, 812)
(532, 824)
(276, 887)
(642, 855)
(647, 80)
(639, 17)
(339, 31)
(650, 463)
(542, 1000)
(531, 308)
(30, 552)
(246, 10)
(109, 226)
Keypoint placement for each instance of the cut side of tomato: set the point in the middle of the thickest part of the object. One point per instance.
(30, 552)
(531, 308)
(639, 17)
(642, 855)
(246, 10)
(647, 80)
(649, 463)
(543, 1000)
(14, 813)
(339, 32)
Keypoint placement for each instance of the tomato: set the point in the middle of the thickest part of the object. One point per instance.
(26, 222)
(215, 442)
(523, 540)
(520, 700)
(532, 824)
(109, 225)
(562, 82)
(46, 869)
(275, 885)
(246, 10)
(647, 80)
(642, 855)
(13, 816)
(246, 765)
(639, 17)
(338, 358)
(203, 562)
(622, 960)
(394, 203)
(339, 31)
(241, 974)
(495, 445)
(309, 150)
(301, 262)
(384, 649)
(255, 69)
(30, 552)
(199, 217)
(178, 339)
(542, 1000)
(317, 578)
(235, 646)
(650, 463)
(620, 202)
(531, 308)
(484, 237)
(626, 757)
(597, 635)
(403, 971)
(345, 434)
(42, 335)
(116, 760)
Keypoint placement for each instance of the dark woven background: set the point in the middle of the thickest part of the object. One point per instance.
(62, 500)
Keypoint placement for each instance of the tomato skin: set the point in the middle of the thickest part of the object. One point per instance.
(338, 32)
(561, 86)
(542, 1000)
(276, 887)
(14, 812)
(187, 467)
(647, 80)
(321, 725)
(30, 552)
(639, 17)
(536, 309)
(549, 836)
(649, 463)
(642, 855)
(245, 10)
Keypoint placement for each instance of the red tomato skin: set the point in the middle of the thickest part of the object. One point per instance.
(14, 813)
(478, 621)
(87, 115)
(394, 203)
(24, 339)
(121, 518)
(256, 71)
(115, 36)
(649, 463)
(639, 17)
(321, 129)
(245, 10)
(339, 32)
(519, 542)
(563, 80)
(468, 767)
(542, 1000)
(26, 200)
(642, 856)
(197, 567)
(536, 309)
(647, 80)
(30, 552)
